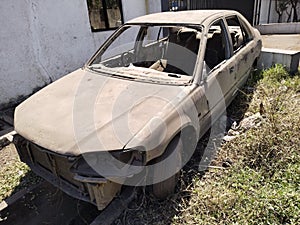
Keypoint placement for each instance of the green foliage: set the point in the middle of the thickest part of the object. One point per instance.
(10, 177)
(245, 196)
(275, 73)
(14, 174)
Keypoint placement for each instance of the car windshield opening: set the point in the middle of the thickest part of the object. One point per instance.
(166, 51)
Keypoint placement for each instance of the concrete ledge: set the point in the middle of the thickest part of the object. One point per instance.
(7, 139)
(279, 28)
(270, 57)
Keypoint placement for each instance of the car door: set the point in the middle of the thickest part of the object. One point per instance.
(218, 82)
(243, 51)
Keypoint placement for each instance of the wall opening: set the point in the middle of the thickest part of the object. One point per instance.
(105, 14)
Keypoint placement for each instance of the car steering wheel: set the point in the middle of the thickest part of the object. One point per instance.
(127, 58)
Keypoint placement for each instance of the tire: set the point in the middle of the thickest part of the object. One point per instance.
(170, 164)
(253, 70)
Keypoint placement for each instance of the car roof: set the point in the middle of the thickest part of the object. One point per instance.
(196, 17)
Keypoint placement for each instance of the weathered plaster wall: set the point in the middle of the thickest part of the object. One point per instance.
(43, 40)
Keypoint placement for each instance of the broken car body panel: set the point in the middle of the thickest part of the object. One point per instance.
(157, 78)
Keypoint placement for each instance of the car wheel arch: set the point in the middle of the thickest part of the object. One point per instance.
(166, 187)
(189, 139)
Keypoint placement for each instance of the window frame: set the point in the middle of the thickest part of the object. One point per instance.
(246, 33)
(227, 42)
(106, 21)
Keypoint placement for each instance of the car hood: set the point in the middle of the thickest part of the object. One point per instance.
(86, 111)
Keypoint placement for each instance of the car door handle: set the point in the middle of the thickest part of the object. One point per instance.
(231, 70)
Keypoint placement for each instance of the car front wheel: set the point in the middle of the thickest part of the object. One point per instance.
(168, 164)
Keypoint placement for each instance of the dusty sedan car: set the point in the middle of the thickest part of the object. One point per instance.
(135, 112)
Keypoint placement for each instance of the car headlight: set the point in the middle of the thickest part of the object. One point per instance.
(130, 156)
(120, 163)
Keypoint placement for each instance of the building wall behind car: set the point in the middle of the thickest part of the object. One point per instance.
(267, 12)
(43, 40)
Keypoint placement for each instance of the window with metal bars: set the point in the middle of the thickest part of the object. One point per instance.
(105, 14)
(176, 5)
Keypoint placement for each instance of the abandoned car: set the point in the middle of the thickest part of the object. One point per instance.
(135, 112)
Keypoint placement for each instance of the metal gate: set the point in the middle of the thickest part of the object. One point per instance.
(245, 7)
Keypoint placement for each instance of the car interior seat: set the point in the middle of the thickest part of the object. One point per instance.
(182, 50)
(215, 51)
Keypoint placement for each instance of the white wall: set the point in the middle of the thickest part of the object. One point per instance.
(133, 8)
(43, 40)
(154, 6)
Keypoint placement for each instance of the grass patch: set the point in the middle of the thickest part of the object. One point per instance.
(246, 196)
(11, 177)
(14, 174)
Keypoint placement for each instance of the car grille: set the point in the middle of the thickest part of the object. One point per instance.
(56, 169)
(53, 167)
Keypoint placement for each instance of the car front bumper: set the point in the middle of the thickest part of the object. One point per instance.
(56, 169)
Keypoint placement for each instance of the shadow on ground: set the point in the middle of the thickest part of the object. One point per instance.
(48, 205)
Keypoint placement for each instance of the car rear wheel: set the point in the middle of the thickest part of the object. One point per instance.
(253, 70)
(171, 164)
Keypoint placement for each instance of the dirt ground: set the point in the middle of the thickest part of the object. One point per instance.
(282, 41)
(48, 205)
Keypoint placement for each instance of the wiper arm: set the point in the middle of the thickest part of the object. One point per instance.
(108, 72)
(95, 67)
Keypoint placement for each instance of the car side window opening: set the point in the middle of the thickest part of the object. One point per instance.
(170, 49)
(240, 36)
(181, 50)
(217, 46)
(164, 48)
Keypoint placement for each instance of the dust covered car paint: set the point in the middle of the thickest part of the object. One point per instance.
(135, 112)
